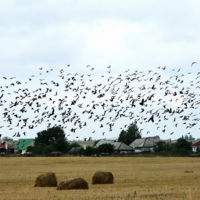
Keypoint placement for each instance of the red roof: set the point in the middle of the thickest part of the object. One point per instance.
(197, 144)
(3, 146)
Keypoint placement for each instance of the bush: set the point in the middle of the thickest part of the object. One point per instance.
(89, 151)
(50, 148)
(161, 146)
(181, 147)
(38, 150)
(105, 148)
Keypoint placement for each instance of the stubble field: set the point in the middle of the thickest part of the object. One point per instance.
(134, 178)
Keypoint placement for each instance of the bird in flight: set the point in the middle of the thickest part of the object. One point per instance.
(193, 63)
(106, 90)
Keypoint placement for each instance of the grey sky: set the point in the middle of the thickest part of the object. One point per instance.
(135, 35)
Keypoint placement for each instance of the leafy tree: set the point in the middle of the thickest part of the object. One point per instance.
(36, 149)
(62, 145)
(105, 148)
(161, 146)
(130, 134)
(52, 139)
(49, 136)
(50, 148)
(6, 138)
(181, 146)
(89, 150)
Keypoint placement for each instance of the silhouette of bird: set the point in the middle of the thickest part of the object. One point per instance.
(193, 63)
(112, 95)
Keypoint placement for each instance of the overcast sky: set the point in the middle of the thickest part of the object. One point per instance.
(135, 35)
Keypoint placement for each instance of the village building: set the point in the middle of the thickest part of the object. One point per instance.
(22, 144)
(119, 147)
(142, 144)
(6, 148)
(195, 146)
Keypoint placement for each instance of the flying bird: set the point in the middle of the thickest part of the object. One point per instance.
(193, 63)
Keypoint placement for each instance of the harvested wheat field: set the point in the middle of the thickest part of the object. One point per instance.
(134, 178)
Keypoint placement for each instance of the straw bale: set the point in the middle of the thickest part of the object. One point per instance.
(51, 179)
(46, 180)
(73, 184)
(103, 178)
(41, 181)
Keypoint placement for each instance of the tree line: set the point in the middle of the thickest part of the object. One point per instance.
(54, 140)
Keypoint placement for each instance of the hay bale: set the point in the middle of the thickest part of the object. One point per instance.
(46, 180)
(51, 180)
(41, 181)
(103, 178)
(73, 184)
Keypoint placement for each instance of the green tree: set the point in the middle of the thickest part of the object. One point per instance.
(89, 150)
(105, 148)
(38, 150)
(62, 145)
(52, 139)
(49, 136)
(132, 133)
(182, 146)
(50, 148)
(161, 146)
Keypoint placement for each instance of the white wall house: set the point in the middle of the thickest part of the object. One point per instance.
(195, 146)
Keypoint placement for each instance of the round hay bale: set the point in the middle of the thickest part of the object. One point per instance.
(41, 181)
(73, 184)
(46, 180)
(103, 178)
(51, 180)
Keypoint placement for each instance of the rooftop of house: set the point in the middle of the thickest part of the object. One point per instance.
(117, 145)
(196, 144)
(22, 144)
(142, 143)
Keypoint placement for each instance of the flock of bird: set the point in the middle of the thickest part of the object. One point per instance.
(143, 97)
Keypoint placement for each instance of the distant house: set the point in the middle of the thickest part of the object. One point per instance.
(6, 148)
(143, 144)
(195, 146)
(119, 147)
(23, 144)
